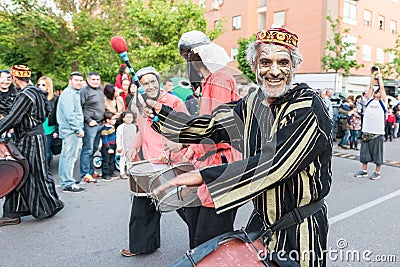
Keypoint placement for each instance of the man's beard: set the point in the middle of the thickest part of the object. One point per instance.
(274, 94)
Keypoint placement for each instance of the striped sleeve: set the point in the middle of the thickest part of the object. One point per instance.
(18, 110)
(223, 126)
(301, 137)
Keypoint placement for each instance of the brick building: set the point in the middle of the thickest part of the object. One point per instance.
(373, 27)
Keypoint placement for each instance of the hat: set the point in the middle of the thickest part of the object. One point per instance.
(212, 55)
(278, 36)
(147, 70)
(20, 71)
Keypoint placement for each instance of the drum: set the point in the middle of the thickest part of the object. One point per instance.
(175, 197)
(140, 175)
(229, 249)
(235, 252)
(14, 168)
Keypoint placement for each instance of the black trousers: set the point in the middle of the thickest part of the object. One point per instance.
(144, 226)
(204, 224)
(108, 162)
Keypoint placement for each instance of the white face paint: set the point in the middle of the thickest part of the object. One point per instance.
(274, 70)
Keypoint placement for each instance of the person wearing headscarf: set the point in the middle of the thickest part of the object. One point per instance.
(37, 196)
(208, 61)
(284, 132)
(144, 224)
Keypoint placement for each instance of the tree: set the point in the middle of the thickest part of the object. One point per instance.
(69, 35)
(392, 69)
(339, 53)
(243, 65)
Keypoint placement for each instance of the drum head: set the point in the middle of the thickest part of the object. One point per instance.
(175, 197)
(11, 174)
(146, 169)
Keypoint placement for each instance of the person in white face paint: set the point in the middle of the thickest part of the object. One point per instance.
(284, 132)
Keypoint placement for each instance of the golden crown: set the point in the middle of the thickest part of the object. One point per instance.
(278, 36)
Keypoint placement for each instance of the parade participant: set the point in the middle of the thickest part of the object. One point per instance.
(7, 96)
(284, 132)
(38, 196)
(92, 101)
(218, 86)
(373, 127)
(70, 128)
(144, 224)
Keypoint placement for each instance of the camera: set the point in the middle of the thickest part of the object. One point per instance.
(374, 68)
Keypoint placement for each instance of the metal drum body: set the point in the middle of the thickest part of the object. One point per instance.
(140, 176)
(177, 196)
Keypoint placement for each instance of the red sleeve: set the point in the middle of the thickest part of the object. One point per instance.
(118, 81)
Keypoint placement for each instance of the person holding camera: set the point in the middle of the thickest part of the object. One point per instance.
(373, 127)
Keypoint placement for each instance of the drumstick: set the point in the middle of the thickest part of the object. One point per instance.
(142, 161)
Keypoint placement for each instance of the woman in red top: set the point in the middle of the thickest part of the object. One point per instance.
(123, 73)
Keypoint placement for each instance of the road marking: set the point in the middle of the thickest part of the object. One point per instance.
(363, 207)
(357, 157)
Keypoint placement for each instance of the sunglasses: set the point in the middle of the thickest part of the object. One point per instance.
(41, 84)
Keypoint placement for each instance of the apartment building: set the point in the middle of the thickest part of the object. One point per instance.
(373, 26)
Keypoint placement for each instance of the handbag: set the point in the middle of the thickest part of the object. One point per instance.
(367, 137)
(56, 146)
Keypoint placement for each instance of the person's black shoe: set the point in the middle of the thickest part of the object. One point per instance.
(9, 221)
(74, 189)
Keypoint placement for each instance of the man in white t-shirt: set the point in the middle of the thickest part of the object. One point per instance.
(373, 128)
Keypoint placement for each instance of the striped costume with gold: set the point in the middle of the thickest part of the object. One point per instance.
(287, 148)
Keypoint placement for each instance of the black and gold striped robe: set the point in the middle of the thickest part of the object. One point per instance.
(38, 196)
(288, 167)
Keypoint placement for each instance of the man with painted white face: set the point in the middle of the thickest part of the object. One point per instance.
(284, 132)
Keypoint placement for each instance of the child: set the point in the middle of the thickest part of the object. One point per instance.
(126, 134)
(108, 139)
(390, 124)
(355, 127)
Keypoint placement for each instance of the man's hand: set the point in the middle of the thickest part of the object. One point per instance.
(191, 179)
(93, 123)
(131, 154)
(81, 134)
(188, 155)
(152, 104)
(172, 146)
(55, 135)
(110, 151)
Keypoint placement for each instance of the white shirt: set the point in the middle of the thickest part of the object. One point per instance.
(374, 117)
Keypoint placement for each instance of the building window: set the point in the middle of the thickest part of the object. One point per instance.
(350, 12)
(262, 21)
(380, 56)
(218, 25)
(391, 57)
(381, 23)
(262, 3)
(352, 47)
(393, 27)
(279, 19)
(202, 3)
(236, 22)
(234, 53)
(367, 18)
(366, 52)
